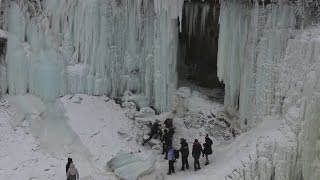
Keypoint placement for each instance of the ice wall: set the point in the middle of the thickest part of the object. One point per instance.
(194, 11)
(95, 47)
(276, 73)
(252, 41)
(33, 65)
(300, 85)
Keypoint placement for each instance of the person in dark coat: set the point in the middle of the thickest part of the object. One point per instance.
(68, 164)
(154, 132)
(171, 158)
(166, 142)
(207, 150)
(169, 123)
(184, 149)
(196, 153)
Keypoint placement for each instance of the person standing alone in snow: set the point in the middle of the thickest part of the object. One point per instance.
(68, 164)
(171, 159)
(207, 150)
(184, 149)
(72, 173)
(196, 153)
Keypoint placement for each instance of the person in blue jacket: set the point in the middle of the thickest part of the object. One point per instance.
(171, 159)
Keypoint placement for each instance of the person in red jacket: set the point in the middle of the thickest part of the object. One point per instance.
(196, 153)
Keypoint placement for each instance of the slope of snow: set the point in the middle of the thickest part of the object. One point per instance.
(21, 156)
(37, 138)
(252, 155)
(102, 126)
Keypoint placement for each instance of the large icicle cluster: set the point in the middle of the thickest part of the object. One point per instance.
(95, 47)
(300, 85)
(292, 151)
(271, 67)
(192, 12)
(252, 41)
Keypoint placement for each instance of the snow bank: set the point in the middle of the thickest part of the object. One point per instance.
(38, 137)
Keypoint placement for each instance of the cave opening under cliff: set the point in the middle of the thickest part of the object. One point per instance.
(198, 45)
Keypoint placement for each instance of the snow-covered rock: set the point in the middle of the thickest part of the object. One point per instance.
(146, 112)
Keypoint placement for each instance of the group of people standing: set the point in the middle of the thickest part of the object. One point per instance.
(166, 131)
(197, 150)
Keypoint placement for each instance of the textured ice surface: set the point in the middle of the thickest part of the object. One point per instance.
(252, 41)
(130, 167)
(271, 67)
(120, 45)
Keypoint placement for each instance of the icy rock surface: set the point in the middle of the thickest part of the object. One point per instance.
(293, 152)
(252, 42)
(145, 112)
(271, 67)
(130, 167)
(197, 112)
(95, 47)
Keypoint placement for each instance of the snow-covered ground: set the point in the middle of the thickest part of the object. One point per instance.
(37, 138)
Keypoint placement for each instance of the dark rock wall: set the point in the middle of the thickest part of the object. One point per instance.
(198, 49)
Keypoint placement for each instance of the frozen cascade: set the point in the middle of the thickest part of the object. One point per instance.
(300, 85)
(278, 69)
(95, 47)
(292, 151)
(192, 12)
(40, 72)
(252, 41)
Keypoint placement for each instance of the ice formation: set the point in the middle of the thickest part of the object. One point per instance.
(292, 151)
(95, 47)
(130, 167)
(192, 12)
(269, 64)
(270, 67)
(252, 41)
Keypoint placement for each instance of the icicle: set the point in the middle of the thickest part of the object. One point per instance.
(246, 68)
(97, 47)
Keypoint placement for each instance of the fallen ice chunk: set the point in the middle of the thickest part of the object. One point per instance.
(130, 167)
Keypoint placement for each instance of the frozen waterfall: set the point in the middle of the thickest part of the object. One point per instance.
(252, 41)
(270, 67)
(94, 47)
